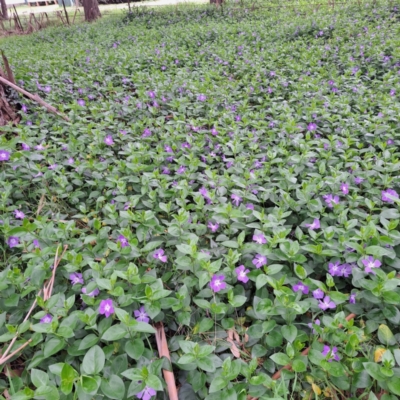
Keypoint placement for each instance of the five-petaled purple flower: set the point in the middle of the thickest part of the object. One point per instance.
(201, 97)
(146, 132)
(389, 195)
(75, 278)
(109, 140)
(25, 147)
(331, 200)
(358, 180)
(300, 286)
(146, 394)
(352, 298)
(334, 269)
(141, 315)
(123, 240)
(241, 273)
(46, 319)
(326, 303)
(344, 187)
(259, 238)
(332, 353)
(318, 293)
(36, 244)
(19, 214)
(159, 255)
(214, 132)
(311, 126)
(106, 307)
(315, 224)
(213, 227)
(13, 241)
(4, 155)
(236, 199)
(81, 102)
(217, 283)
(371, 263)
(181, 170)
(259, 260)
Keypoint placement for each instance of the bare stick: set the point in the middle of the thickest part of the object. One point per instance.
(164, 352)
(65, 11)
(51, 282)
(4, 359)
(17, 16)
(34, 97)
(10, 75)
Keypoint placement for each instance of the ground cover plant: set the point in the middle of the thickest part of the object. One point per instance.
(230, 172)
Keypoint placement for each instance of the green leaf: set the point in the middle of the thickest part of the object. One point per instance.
(280, 358)
(206, 364)
(68, 376)
(39, 378)
(231, 244)
(218, 383)
(113, 388)
(115, 332)
(385, 335)
(154, 382)
(89, 385)
(205, 325)
(142, 327)
(379, 252)
(261, 281)
(299, 366)
(53, 346)
(88, 341)
(94, 361)
(394, 385)
(374, 370)
(300, 271)
(47, 393)
(134, 348)
(152, 245)
(289, 332)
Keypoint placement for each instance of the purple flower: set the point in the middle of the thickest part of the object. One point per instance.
(181, 170)
(76, 278)
(19, 214)
(36, 244)
(53, 166)
(91, 294)
(106, 307)
(146, 132)
(168, 149)
(332, 353)
(259, 260)
(159, 255)
(250, 206)
(236, 199)
(344, 187)
(392, 92)
(24, 108)
(214, 132)
(39, 147)
(352, 298)
(346, 270)
(217, 283)
(146, 394)
(70, 161)
(238, 118)
(201, 97)
(123, 241)
(165, 171)
(213, 227)
(46, 319)
(316, 322)
(315, 225)
(241, 273)
(335, 269)
(151, 94)
(388, 195)
(326, 303)
(311, 126)
(318, 293)
(358, 180)
(25, 147)
(331, 200)
(300, 286)
(123, 132)
(371, 263)
(186, 145)
(109, 140)
(259, 238)
(81, 102)
(141, 315)
(203, 191)
(4, 155)
(13, 241)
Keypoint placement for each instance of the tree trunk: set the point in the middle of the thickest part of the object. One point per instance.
(92, 11)
(4, 12)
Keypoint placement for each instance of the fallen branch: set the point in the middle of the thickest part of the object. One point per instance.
(34, 97)
(288, 367)
(164, 352)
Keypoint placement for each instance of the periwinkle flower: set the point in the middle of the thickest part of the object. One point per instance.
(344, 187)
(311, 127)
(389, 195)
(19, 214)
(94, 293)
(46, 319)
(352, 298)
(53, 166)
(181, 170)
(370, 263)
(301, 287)
(259, 260)
(159, 255)
(331, 352)
(393, 92)
(326, 304)
(123, 132)
(13, 241)
(217, 283)
(168, 149)
(25, 147)
(335, 269)
(241, 273)
(141, 315)
(165, 171)
(314, 225)
(249, 206)
(76, 278)
(236, 199)
(70, 161)
(316, 322)
(331, 200)
(81, 102)
(146, 394)
(346, 270)
(24, 108)
(358, 180)
(259, 238)
(106, 307)
(201, 97)
(214, 132)
(109, 140)
(151, 94)
(36, 244)
(213, 227)
(123, 241)
(318, 293)
(4, 155)
(146, 133)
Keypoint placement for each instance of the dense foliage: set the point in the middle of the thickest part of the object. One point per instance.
(232, 173)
